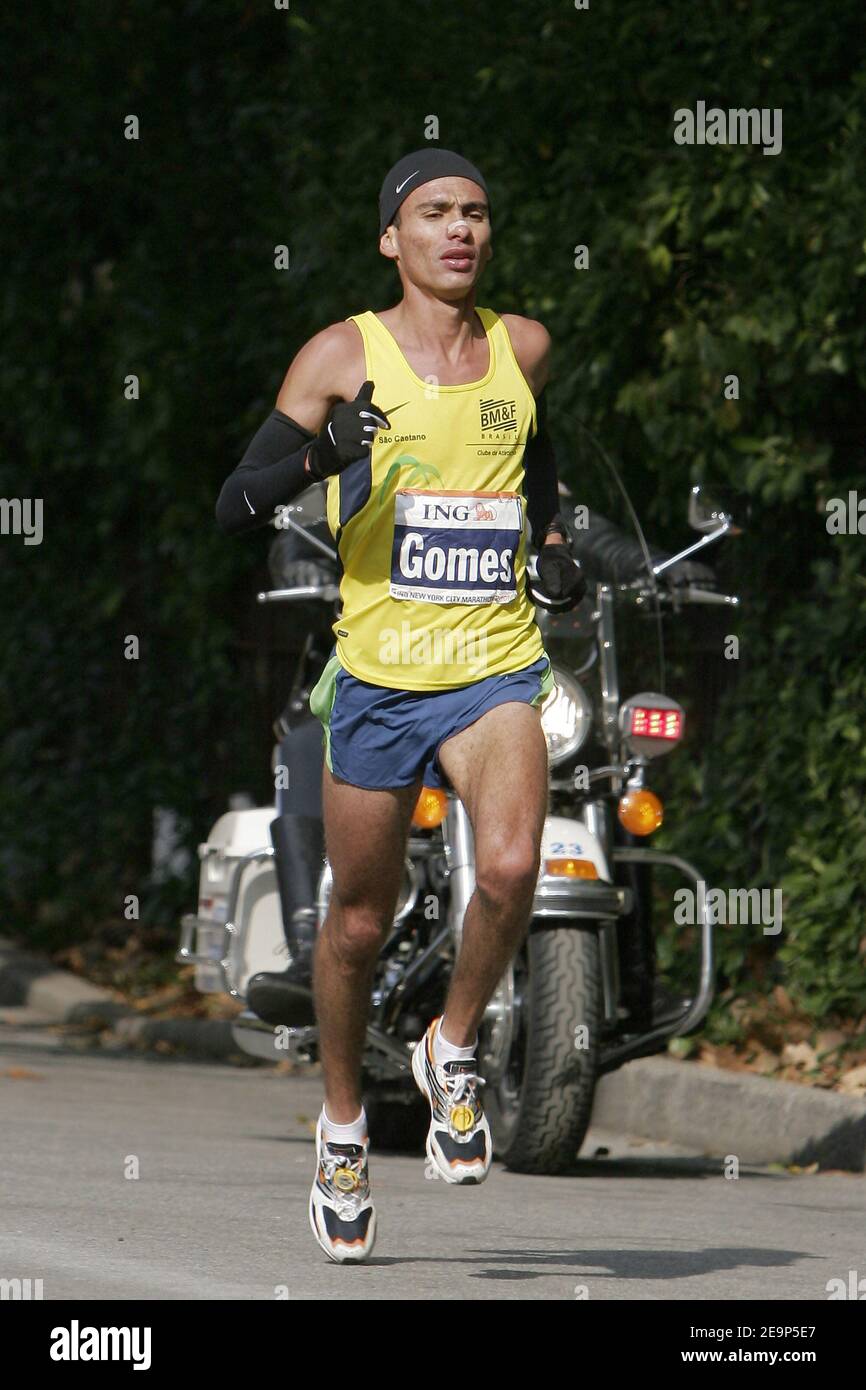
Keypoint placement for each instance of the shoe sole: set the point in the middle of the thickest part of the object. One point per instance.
(347, 1259)
(471, 1179)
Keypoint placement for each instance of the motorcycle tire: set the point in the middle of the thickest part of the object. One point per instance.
(539, 1123)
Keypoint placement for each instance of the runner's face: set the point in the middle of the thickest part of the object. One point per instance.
(443, 242)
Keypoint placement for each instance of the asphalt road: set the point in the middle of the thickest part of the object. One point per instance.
(225, 1160)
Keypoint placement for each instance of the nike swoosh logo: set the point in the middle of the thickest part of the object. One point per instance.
(391, 409)
(249, 503)
(405, 181)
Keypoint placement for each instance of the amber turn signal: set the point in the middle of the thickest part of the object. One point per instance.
(430, 808)
(640, 811)
(571, 868)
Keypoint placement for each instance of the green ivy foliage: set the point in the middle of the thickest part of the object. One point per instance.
(778, 801)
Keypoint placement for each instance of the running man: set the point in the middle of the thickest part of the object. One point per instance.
(427, 423)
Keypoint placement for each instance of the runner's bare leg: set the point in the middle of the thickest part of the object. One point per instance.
(499, 769)
(365, 835)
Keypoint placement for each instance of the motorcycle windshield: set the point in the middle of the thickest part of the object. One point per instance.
(606, 527)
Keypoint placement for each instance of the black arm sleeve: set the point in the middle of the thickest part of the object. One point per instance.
(270, 474)
(540, 484)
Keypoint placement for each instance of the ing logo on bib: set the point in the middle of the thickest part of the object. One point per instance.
(455, 547)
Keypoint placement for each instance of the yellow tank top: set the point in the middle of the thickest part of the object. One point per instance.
(431, 528)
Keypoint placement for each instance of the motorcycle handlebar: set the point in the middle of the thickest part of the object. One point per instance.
(326, 592)
(693, 594)
(684, 593)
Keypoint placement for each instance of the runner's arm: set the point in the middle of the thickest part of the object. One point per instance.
(532, 348)
(274, 468)
(541, 483)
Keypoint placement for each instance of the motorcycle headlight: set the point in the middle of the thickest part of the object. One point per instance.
(566, 716)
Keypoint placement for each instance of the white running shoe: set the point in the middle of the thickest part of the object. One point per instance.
(458, 1140)
(342, 1215)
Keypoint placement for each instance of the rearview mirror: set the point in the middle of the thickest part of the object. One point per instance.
(706, 511)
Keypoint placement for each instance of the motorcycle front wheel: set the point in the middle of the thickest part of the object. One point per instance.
(541, 1084)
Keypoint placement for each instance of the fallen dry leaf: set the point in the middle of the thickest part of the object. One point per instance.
(21, 1074)
(800, 1054)
(853, 1082)
(766, 1063)
(168, 999)
(829, 1039)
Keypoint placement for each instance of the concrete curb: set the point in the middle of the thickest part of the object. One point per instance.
(211, 1038)
(31, 980)
(31, 985)
(718, 1112)
(724, 1112)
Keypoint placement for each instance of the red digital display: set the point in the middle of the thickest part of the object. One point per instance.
(656, 723)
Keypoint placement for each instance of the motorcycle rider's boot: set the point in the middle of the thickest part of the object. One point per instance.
(342, 1215)
(459, 1143)
(286, 997)
(279, 997)
(297, 841)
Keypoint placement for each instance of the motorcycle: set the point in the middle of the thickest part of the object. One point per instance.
(580, 998)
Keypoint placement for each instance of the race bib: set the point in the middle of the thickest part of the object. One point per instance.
(455, 547)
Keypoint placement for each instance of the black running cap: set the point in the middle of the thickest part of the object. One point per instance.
(420, 167)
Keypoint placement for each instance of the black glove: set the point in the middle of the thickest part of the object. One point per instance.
(346, 434)
(560, 576)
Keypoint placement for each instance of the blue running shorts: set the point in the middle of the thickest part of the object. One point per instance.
(376, 737)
